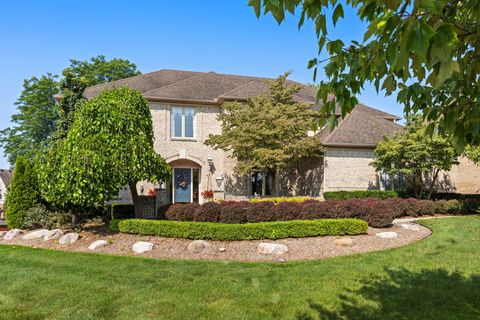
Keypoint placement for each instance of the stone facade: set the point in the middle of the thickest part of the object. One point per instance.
(463, 178)
(339, 168)
(349, 169)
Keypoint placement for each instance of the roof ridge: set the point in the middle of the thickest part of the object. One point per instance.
(237, 88)
(181, 81)
(378, 110)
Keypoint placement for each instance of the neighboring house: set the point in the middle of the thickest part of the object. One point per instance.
(5, 181)
(185, 106)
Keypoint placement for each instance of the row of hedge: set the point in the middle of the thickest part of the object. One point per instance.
(377, 213)
(248, 231)
(360, 194)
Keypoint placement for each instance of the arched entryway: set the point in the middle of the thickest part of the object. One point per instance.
(184, 186)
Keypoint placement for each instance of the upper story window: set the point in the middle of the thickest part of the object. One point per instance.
(183, 122)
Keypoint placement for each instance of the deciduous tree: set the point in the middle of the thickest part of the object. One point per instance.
(110, 145)
(419, 157)
(268, 132)
(39, 116)
(427, 51)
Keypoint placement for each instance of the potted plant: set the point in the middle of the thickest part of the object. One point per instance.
(207, 195)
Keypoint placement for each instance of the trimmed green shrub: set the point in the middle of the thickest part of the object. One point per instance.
(247, 231)
(359, 194)
(122, 211)
(23, 194)
(283, 199)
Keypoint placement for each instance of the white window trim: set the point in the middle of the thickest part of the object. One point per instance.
(172, 124)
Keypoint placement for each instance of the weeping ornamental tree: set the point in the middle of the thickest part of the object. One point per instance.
(417, 156)
(268, 132)
(109, 145)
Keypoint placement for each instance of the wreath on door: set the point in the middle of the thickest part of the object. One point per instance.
(182, 181)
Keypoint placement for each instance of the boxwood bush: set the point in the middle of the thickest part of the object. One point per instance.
(246, 231)
(282, 199)
(359, 194)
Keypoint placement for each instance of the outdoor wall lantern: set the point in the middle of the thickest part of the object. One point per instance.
(210, 163)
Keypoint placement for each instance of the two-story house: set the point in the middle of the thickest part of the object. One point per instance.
(184, 109)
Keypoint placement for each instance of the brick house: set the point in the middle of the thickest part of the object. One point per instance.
(184, 109)
(5, 181)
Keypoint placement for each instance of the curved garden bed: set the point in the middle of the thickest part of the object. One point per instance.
(247, 231)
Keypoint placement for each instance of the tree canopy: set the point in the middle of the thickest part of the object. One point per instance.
(109, 145)
(268, 132)
(417, 156)
(39, 117)
(426, 52)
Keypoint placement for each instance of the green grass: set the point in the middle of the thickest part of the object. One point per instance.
(438, 278)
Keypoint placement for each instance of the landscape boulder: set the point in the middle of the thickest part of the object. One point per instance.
(142, 246)
(97, 244)
(408, 226)
(37, 234)
(69, 238)
(272, 248)
(12, 234)
(387, 235)
(199, 246)
(2, 233)
(344, 242)
(53, 234)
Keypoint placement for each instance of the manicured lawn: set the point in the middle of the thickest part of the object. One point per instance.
(438, 278)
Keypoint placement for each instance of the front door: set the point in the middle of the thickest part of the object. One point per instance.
(182, 184)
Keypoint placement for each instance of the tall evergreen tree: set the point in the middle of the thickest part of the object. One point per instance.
(23, 194)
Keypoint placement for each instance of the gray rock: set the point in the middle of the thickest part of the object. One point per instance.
(53, 234)
(69, 238)
(37, 234)
(408, 226)
(12, 234)
(199, 246)
(97, 244)
(3, 233)
(272, 248)
(387, 235)
(344, 242)
(142, 246)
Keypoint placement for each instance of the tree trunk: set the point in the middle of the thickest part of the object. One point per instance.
(133, 191)
(432, 184)
(264, 183)
(273, 174)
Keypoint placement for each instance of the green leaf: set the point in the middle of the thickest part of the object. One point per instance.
(419, 38)
(337, 13)
(256, 6)
(446, 71)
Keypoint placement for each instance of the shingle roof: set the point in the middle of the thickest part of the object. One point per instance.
(6, 176)
(363, 127)
(209, 87)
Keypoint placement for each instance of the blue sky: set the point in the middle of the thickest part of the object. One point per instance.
(37, 37)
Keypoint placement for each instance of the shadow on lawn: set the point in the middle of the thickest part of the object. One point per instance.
(403, 294)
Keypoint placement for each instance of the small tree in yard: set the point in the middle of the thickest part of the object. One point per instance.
(109, 145)
(415, 154)
(23, 194)
(269, 132)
